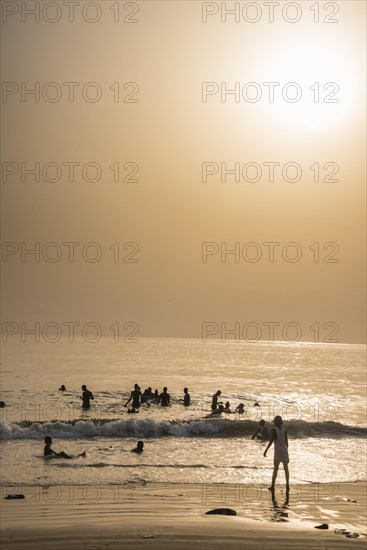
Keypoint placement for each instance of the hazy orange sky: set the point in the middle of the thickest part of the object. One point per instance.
(168, 133)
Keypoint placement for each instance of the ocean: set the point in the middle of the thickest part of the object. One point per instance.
(318, 389)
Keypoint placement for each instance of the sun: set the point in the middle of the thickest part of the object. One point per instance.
(315, 84)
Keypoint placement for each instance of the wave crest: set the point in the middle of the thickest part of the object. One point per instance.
(163, 428)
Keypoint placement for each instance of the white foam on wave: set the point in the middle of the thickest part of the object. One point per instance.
(160, 428)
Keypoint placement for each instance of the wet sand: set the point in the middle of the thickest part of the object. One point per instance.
(173, 516)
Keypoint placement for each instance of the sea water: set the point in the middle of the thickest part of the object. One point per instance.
(319, 389)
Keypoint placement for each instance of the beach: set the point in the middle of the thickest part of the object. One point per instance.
(173, 516)
(183, 312)
(191, 464)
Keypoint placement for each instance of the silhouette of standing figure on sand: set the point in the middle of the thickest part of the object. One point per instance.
(279, 437)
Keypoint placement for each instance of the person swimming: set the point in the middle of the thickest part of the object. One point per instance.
(216, 412)
(227, 407)
(48, 451)
(262, 431)
(139, 447)
(240, 408)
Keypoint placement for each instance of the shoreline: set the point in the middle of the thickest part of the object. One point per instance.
(173, 516)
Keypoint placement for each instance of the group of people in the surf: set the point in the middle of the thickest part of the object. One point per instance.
(148, 397)
(276, 435)
(218, 408)
(137, 397)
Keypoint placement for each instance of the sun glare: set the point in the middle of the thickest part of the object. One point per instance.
(317, 85)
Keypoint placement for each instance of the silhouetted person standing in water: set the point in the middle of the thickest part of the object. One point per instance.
(148, 394)
(86, 397)
(164, 399)
(186, 399)
(279, 437)
(137, 398)
(215, 400)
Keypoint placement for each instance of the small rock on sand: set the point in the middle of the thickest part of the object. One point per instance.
(222, 512)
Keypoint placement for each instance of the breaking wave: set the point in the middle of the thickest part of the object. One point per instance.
(78, 429)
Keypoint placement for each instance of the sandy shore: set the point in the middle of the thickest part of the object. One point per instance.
(173, 516)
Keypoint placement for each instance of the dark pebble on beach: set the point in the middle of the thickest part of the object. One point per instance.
(222, 512)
